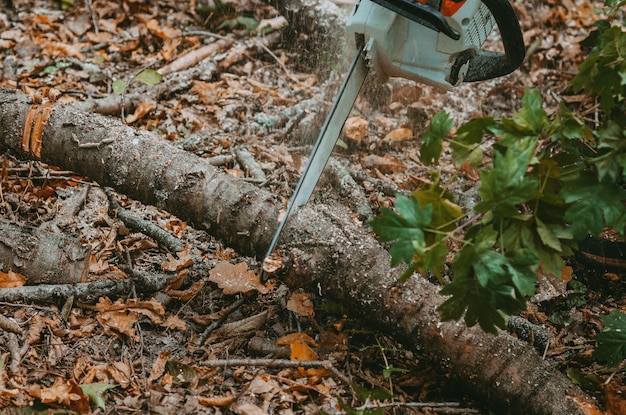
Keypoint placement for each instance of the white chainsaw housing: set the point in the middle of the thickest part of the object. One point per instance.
(399, 47)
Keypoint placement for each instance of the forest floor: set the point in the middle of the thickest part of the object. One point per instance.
(201, 346)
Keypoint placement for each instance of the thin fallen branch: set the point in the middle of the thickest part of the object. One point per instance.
(148, 228)
(307, 364)
(192, 58)
(249, 164)
(88, 292)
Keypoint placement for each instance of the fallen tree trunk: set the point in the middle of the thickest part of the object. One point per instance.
(323, 248)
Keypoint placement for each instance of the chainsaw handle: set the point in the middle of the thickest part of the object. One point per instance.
(486, 64)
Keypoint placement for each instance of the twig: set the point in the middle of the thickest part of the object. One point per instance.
(267, 363)
(249, 164)
(216, 323)
(204, 33)
(10, 325)
(277, 59)
(88, 292)
(163, 237)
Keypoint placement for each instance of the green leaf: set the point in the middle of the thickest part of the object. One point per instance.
(481, 305)
(521, 267)
(247, 22)
(594, 205)
(466, 144)
(611, 163)
(389, 370)
(445, 212)
(547, 236)
(439, 127)
(612, 340)
(149, 77)
(406, 228)
(531, 118)
(94, 391)
(119, 86)
(507, 186)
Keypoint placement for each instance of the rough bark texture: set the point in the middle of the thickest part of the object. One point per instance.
(323, 247)
(40, 256)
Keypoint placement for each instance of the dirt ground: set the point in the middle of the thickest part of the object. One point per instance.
(204, 344)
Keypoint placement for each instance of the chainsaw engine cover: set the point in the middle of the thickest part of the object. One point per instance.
(399, 47)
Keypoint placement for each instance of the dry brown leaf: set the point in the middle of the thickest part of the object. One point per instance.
(468, 171)
(174, 322)
(399, 134)
(121, 317)
(293, 337)
(215, 401)
(273, 263)
(184, 261)
(36, 325)
(208, 92)
(234, 279)
(615, 400)
(63, 392)
(301, 351)
(249, 409)
(355, 129)
(122, 322)
(164, 33)
(244, 326)
(301, 304)
(143, 109)
(11, 279)
(188, 294)
(386, 164)
(158, 367)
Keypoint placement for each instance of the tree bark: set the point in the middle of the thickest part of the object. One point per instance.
(42, 257)
(322, 246)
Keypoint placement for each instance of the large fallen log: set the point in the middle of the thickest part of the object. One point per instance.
(323, 247)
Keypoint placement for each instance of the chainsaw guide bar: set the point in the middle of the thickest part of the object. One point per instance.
(436, 42)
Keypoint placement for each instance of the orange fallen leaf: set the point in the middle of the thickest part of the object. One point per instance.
(158, 367)
(355, 128)
(234, 279)
(399, 134)
(173, 322)
(215, 401)
(143, 109)
(386, 164)
(301, 304)
(293, 337)
(184, 260)
(11, 279)
(63, 392)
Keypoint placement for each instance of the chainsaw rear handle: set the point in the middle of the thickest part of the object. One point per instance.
(487, 65)
(484, 64)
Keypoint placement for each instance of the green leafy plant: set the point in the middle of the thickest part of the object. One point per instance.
(148, 77)
(612, 340)
(551, 180)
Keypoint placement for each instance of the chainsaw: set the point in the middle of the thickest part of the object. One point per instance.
(436, 42)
